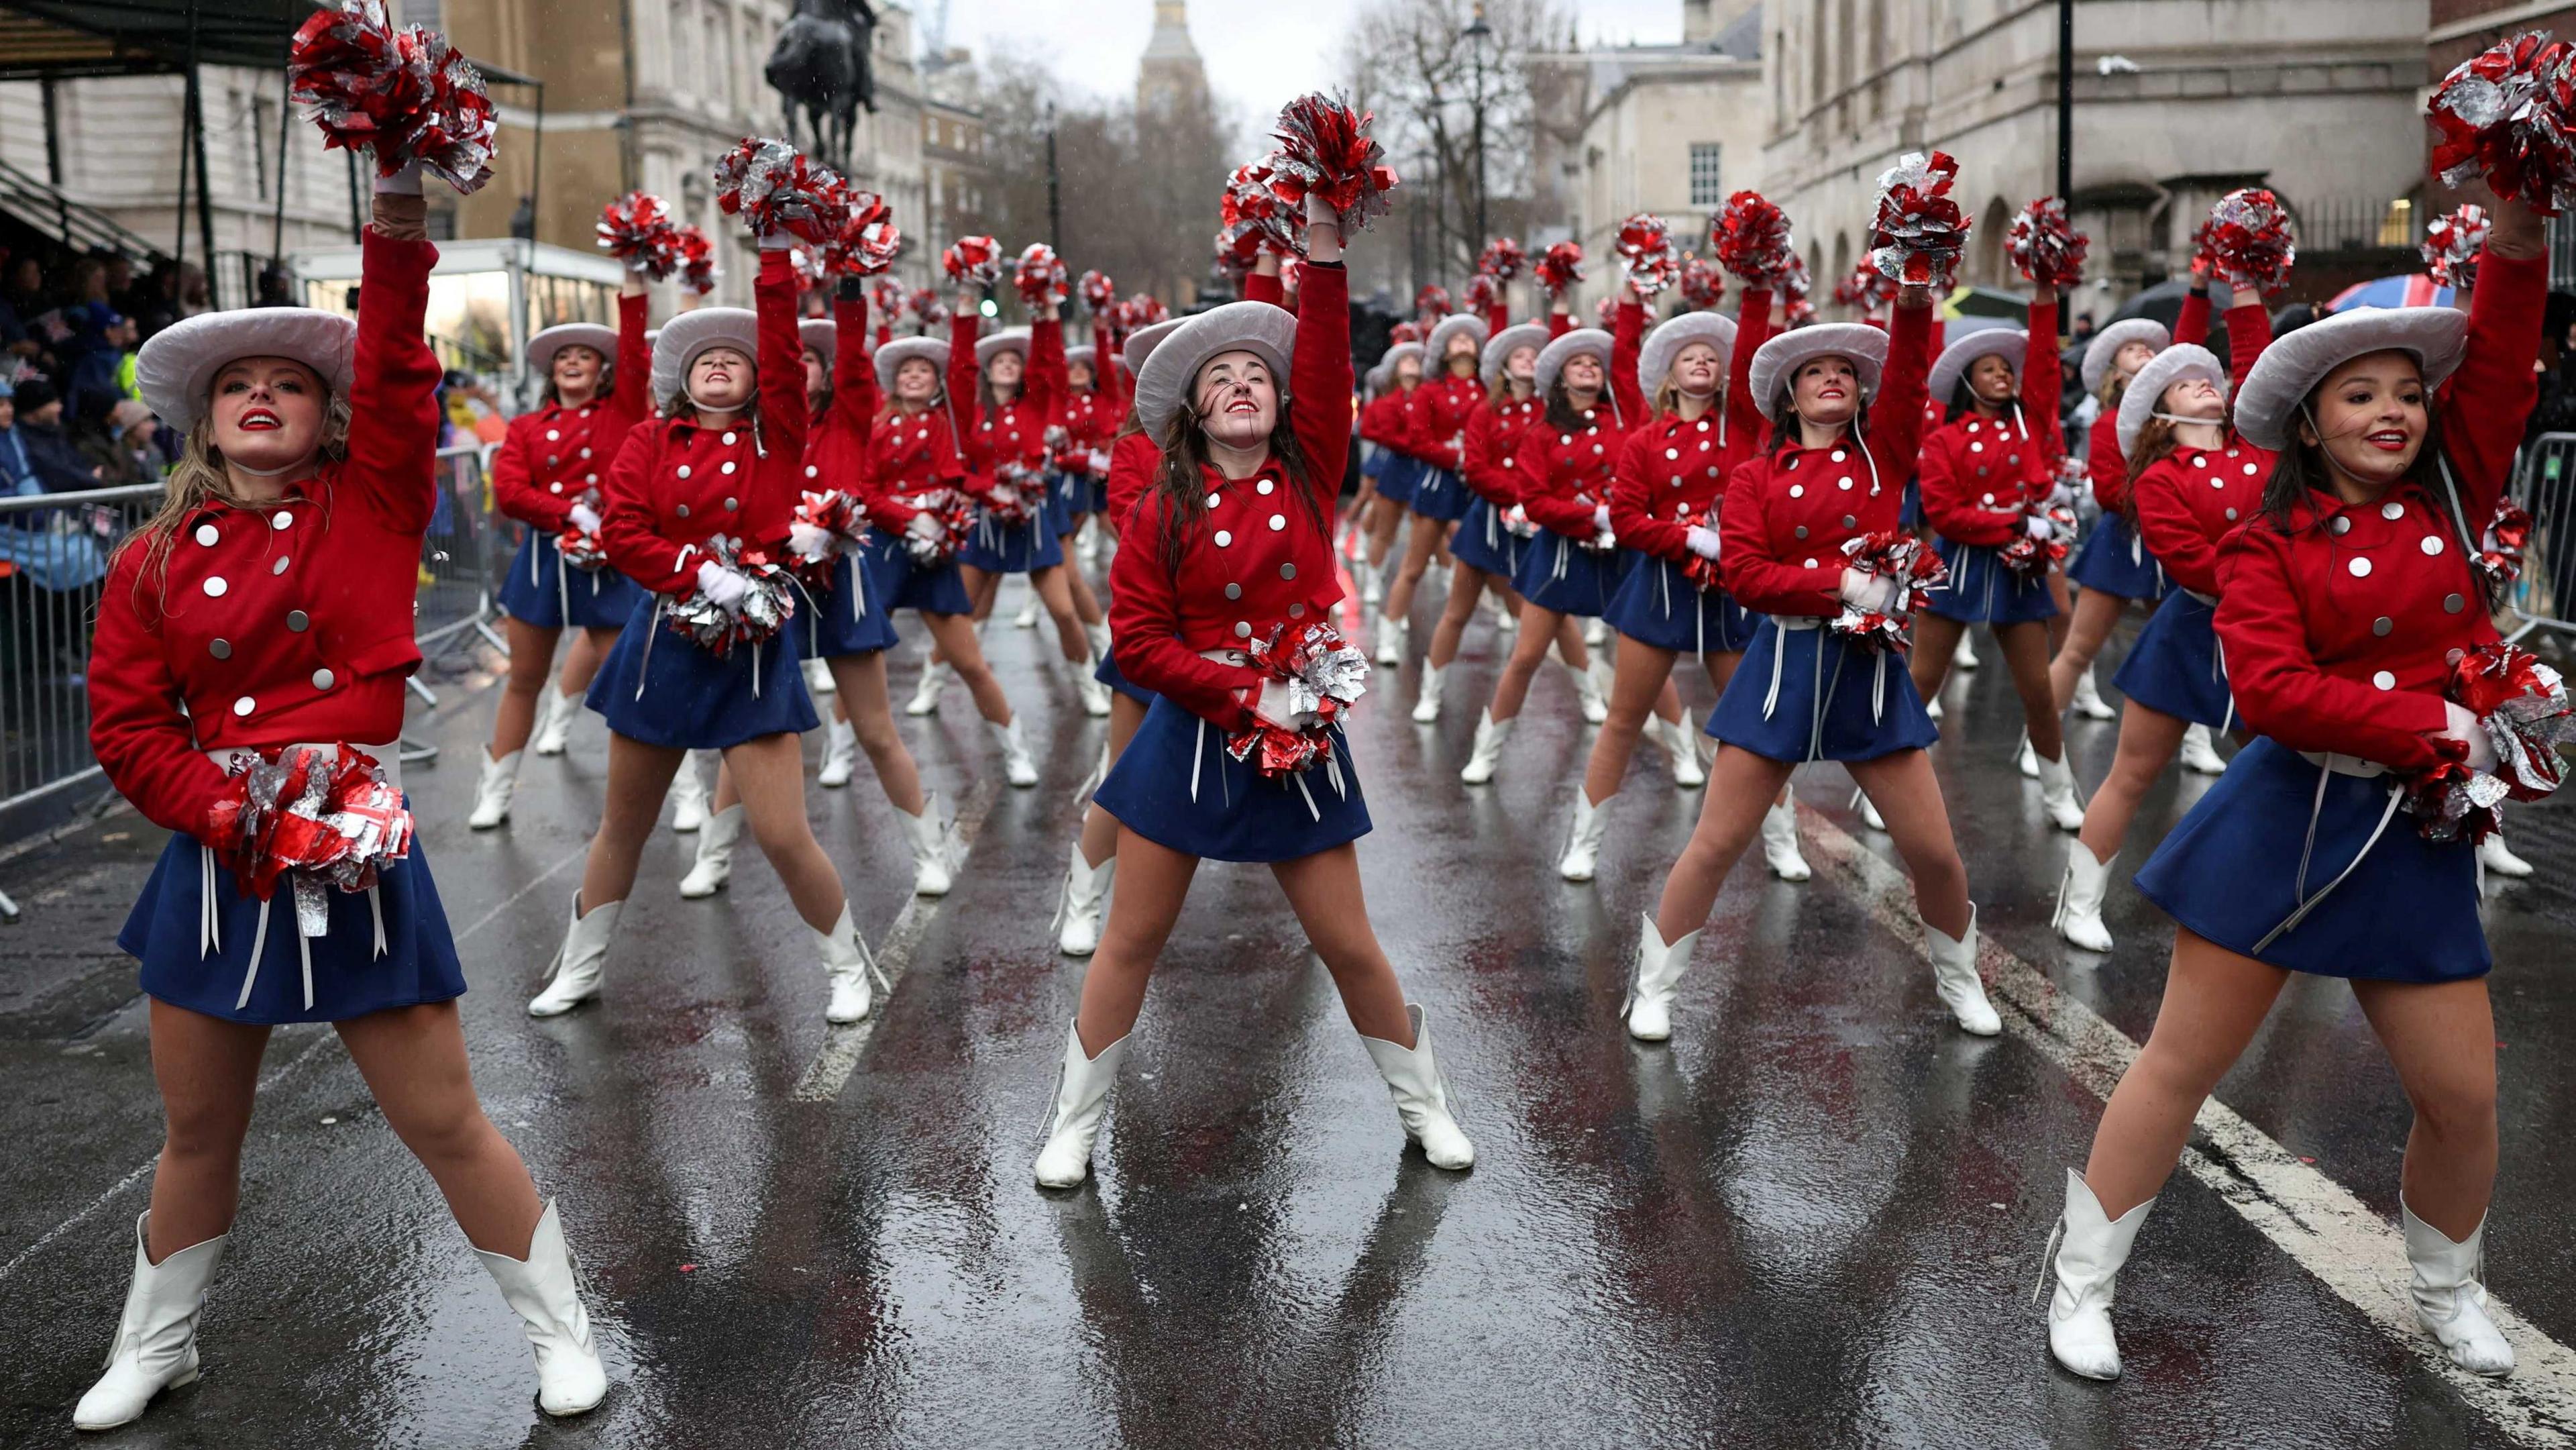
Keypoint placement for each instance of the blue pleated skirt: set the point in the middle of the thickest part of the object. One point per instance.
(2115, 562)
(1483, 543)
(349, 979)
(1982, 591)
(903, 582)
(1811, 694)
(1108, 673)
(1234, 814)
(1064, 498)
(1440, 494)
(847, 618)
(539, 590)
(1909, 512)
(663, 689)
(1396, 479)
(999, 548)
(1559, 574)
(1657, 605)
(2231, 872)
(2176, 667)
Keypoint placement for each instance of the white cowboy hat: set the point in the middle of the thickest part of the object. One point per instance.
(895, 354)
(1009, 339)
(691, 333)
(1083, 353)
(819, 334)
(1141, 343)
(1782, 354)
(1553, 358)
(2172, 365)
(543, 347)
(1666, 342)
(2273, 391)
(1983, 337)
(177, 367)
(2107, 343)
(1382, 377)
(1267, 332)
(1436, 351)
(1500, 347)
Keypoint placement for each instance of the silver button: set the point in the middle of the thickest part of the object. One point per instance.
(1214, 499)
(1797, 490)
(2200, 462)
(2455, 656)
(324, 679)
(552, 434)
(1287, 571)
(280, 518)
(1296, 611)
(278, 567)
(1811, 563)
(553, 458)
(683, 511)
(728, 438)
(1986, 498)
(2391, 510)
(1224, 537)
(811, 470)
(1278, 522)
(215, 586)
(207, 535)
(1851, 521)
(1234, 591)
(728, 466)
(1793, 465)
(1672, 454)
(2432, 544)
(731, 505)
(244, 705)
(2341, 526)
(2382, 625)
(221, 649)
(554, 488)
(2231, 514)
(2249, 470)
(1844, 484)
(1837, 454)
(2453, 604)
(1800, 531)
(1976, 448)
(684, 470)
(2360, 568)
(1264, 487)
(298, 621)
(2384, 680)
(1242, 629)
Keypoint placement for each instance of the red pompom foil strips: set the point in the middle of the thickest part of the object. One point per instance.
(1325, 675)
(1481, 293)
(772, 185)
(1703, 286)
(753, 619)
(2500, 551)
(637, 230)
(2451, 245)
(1889, 555)
(973, 261)
(697, 260)
(2505, 115)
(928, 310)
(315, 819)
(1795, 284)
(1560, 267)
(839, 525)
(1253, 218)
(1918, 232)
(886, 295)
(2250, 243)
(401, 95)
(1040, 275)
(1325, 150)
(2044, 246)
(1099, 293)
(1867, 288)
(955, 514)
(2523, 707)
(1751, 239)
(581, 549)
(2031, 557)
(1645, 243)
(868, 241)
(1502, 260)
(1430, 305)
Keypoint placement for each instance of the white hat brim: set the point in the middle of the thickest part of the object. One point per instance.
(819, 334)
(1265, 331)
(177, 367)
(2166, 368)
(1655, 357)
(2011, 344)
(1500, 347)
(1083, 353)
(1009, 339)
(1382, 377)
(691, 333)
(1781, 355)
(1141, 343)
(543, 347)
(895, 354)
(2107, 343)
(2270, 394)
(1437, 346)
(1553, 357)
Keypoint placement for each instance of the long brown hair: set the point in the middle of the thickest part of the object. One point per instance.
(198, 479)
(2155, 443)
(1182, 484)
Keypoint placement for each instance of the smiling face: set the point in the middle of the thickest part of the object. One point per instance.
(818, 373)
(1236, 400)
(916, 382)
(266, 413)
(576, 370)
(2133, 355)
(1459, 357)
(2369, 417)
(2195, 398)
(1990, 380)
(1521, 364)
(720, 379)
(1078, 376)
(1826, 391)
(1695, 371)
(1408, 371)
(1004, 371)
(1583, 373)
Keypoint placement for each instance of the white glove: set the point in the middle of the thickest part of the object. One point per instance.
(809, 541)
(1099, 462)
(405, 182)
(1273, 707)
(584, 518)
(1869, 593)
(1601, 518)
(2039, 526)
(1702, 540)
(923, 527)
(777, 241)
(722, 585)
(2062, 496)
(2459, 724)
(1004, 494)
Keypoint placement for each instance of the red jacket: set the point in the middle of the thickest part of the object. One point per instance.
(1013, 435)
(2189, 501)
(1253, 558)
(2102, 461)
(556, 456)
(1672, 473)
(1134, 464)
(1565, 473)
(1494, 448)
(675, 484)
(1789, 512)
(1382, 419)
(2339, 629)
(1444, 409)
(840, 440)
(1979, 473)
(292, 623)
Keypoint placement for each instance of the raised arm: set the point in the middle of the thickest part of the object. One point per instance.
(783, 416)
(1046, 387)
(2193, 325)
(1107, 378)
(1896, 415)
(1743, 414)
(1319, 376)
(393, 452)
(965, 400)
(1627, 338)
(2042, 377)
(2249, 331)
(854, 369)
(630, 401)
(2485, 403)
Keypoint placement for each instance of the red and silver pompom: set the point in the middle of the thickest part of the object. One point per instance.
(697, 260)
(1918, 232)
(2451, 245)
(401, 95)
(827, 524)
(973, 262)
(1325, 150)
(2250, 245)
(2044, 246)
(312, 818)
(1325, 676)
(581, 549)
(1560, 267)
(886, 295)
(955, 514)
(1404, 332)
(2500, 551)
(929, 308)
(2522, 706)
(1481, 293)
(1607, 310)
(759, 614)
(637, 230)
(1503, 259)
(1431, 304)
(1099, 293)
(1645, 244)
(868, 241)
(1751, 239)
(2032, 557)
(2508, 115)
(1703, 286)
(1917, 570)
(1252, 217)
(774, 187)
(1867, 288)
(1040, 275)
(1795, 285)
(1145, 309)
(807, 264)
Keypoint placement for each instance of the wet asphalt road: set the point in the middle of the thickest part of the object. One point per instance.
(1814, 1219)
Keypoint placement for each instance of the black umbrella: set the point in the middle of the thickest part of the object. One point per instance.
(2162, 302)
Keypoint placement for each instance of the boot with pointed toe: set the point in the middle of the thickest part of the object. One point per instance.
(2079, 899)
(2087, 1267)
(2450, 1296)
(2057, 794)
(818, 678)
(156, 1340)
(1780, 849)
(1073, 1124)
(1391, 641)
(934, 850)
(554, 732)
(1868, 809)
(925, 692)
(1426, 700)
(1681, 750)
(1660, 965)
(1583, 849)
(848, 968)
(2499, 860)
(713, 869)
(2199, 753)
(1421, 1095)
(543, 1289)
(1592, 685)
(1086, 901)
(581, 961)
(2087, 700)
(840, 754)
(688, 796)
(1017, 767)
(1486, 756)
(1954, 977)
(493, 786)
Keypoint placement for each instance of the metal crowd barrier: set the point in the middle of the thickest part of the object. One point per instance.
(54, 550)
(2544, 598)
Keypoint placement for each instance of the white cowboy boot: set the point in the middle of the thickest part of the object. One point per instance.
(2087, 1268)
(1504, 620)
(2087, 700)
(156, 1339)
(1426, 700)
(1780, 847)
(840, 753)
(2026, 760)
(1932, 708)
(1965, 657)
(688, 796)
(547, 1295)
(554, 726)
(2499, 859)
(2057, 794)
(1487, 754)
(714, 865)
(1583, 849)
(846, 965)
(934, 851)
(1391, 639)
(580, 961)
(1421, 1097)
(1027, 618)
(1081, 1096)
(2079, 898)
(1086, 550)
(1017, 767)
(1372, 586)
(818, 677)
(1954, 977)
(1868, 809)
(1086, 899)
(2451, 1296)
(1094, 695)
(1098, 634)
(1660, 965)
(1681, 749)
(493, 785)
(1595, 633)
(925, 693)
(1593, 684)
(2199, 752)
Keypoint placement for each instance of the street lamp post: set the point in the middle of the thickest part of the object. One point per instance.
(1055, 199)
(1478, 36)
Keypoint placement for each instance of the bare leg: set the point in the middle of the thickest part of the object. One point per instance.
(770, 772)
(1644, 672)
(208, 1072)
(1529, 646)
(2441, 1038)
(726, 796)
(581, 662)
(1153, 882)
(1417, 557)
(2095, 615)
(1324, 890)
(1908, 796)
(1466, 589)
(1935, 640)
(532, 659)
(2148, 740)
(1099, 828)
(1086, 605)
(955, 634)
(2061, 596)
(1382, 527)
(639, 776)
(1569, 634)
(1055, 592)
(1668, 701)
(1720, 665)
(2214, 1000)
(413, 1059)
(862, 679)
(2025, 647)
(1741, 787)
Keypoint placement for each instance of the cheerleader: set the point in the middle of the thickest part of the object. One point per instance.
(1839, 445)
(1987, 472)
(1234, 539)
(1398, 379)
(844, 625)
(1588, 379)
(720, 469)
(2193, 482)
(1095, 404)
(1443, 406)
(1134, 463)
(266, 606)
(2345, 600)
(1665, 500)
(546, 475)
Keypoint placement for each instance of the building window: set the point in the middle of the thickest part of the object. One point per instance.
(1707, 186)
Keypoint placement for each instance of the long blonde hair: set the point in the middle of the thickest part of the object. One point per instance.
(199, 480)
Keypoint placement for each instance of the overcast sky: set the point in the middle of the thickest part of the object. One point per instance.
(1257, 56)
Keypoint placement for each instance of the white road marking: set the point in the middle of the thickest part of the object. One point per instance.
(844, 1046)
(2310, 1217)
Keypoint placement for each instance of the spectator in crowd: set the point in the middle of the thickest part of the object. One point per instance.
(130, 448)
(25, 290)
(53, 463)
(2555, 411)
(104, 375)
(275, 287)
(46, 545)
